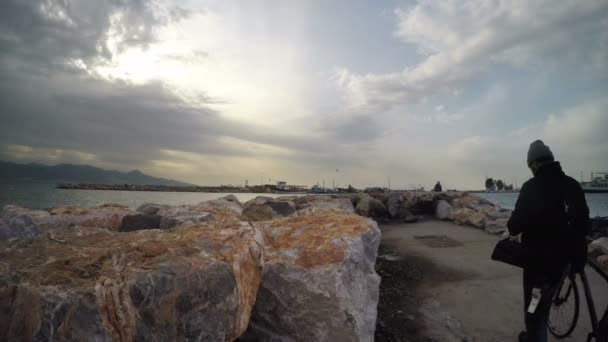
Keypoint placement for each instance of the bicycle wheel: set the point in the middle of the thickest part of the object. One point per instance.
(602, 335)
(564, 309)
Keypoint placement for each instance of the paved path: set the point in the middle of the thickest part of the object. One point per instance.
(466, 295)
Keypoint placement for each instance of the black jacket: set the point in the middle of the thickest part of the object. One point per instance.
(552, 215)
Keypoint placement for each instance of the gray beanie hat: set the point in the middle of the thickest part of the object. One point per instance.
(539, 151)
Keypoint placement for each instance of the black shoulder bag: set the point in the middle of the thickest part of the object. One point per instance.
(510, 252)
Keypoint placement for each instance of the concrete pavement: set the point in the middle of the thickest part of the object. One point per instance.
(465, 295)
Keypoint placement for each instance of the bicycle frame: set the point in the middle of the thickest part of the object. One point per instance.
(589, 298)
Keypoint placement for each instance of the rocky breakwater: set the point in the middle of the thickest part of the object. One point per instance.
(309, 270)
(409, 206)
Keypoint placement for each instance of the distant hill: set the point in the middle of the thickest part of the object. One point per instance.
(68, 173)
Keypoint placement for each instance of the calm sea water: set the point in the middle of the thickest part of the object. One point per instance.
(598, 203)
(44, 195)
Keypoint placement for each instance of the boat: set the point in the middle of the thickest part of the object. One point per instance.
(599, 183)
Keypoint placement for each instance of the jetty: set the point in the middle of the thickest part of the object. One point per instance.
(383, 266)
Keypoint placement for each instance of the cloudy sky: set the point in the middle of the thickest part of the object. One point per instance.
(217, 92)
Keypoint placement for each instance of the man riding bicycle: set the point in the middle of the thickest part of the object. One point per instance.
(552, 216)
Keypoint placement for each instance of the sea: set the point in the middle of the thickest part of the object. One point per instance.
(45, 195)
(598, 203)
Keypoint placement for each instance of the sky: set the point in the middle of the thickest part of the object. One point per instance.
(347, 92)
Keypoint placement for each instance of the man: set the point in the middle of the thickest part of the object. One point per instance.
(552, 216)
(437, 187)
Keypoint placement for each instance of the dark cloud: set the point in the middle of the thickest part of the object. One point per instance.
(52, 33)
(46, 102)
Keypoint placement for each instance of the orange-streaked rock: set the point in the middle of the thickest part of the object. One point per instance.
(319, 280)
(195, 282)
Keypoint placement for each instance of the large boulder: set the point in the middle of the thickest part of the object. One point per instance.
(395, 204)
(600, 244)
(322, 205)
(150, 208)
(259, 212)
(477, 219)
(139, 222)
(319, 280)
(188, 215)
(266, 208)
(380, 196)
(13, 210)
(468, 201)
(107, 216)
(468, 216)
(370, 207)
(448, 196)
(17, 226)
(442, 210)
(88, 284)
(227, 205)
(496, 226)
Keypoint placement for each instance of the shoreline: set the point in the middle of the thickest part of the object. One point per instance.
(266, 189)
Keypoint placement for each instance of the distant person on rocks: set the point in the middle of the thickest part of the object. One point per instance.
(437, 187)
(552, 216)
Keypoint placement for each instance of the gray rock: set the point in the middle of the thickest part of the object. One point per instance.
(258, 200)
(226, 203)
(600, 244)
(258, 212)
(394, 203)
(230, 198)
(283, 208)
(186, 217)
(317, 289)
(267, 210)
(17, 226)
(442, 210)
(370, 207)
(139, 222)
(13, 210)
(497, 226)
(448, 196)
(150, 208)
(323, 205)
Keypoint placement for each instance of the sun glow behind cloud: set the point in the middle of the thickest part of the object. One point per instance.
(251, 79)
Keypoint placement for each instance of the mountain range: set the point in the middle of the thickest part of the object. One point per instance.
(69, 173)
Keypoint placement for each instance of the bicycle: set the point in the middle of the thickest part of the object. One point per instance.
(567, 302)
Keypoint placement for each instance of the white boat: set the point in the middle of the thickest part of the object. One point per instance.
(599, 183)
